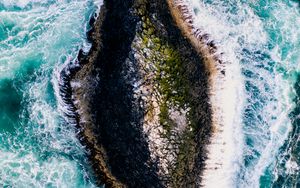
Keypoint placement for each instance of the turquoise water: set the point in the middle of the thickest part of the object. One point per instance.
(38, 148)
(38, 38)
(262, 39)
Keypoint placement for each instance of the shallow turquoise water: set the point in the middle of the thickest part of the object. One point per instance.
(38, 148)
(262, 39)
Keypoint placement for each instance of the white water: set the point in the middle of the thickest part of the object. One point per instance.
(252, 101)
(37, 36)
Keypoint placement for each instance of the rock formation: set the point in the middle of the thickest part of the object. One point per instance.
(141, 95)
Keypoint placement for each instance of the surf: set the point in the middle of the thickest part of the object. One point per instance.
(251, 92)
(38, 145)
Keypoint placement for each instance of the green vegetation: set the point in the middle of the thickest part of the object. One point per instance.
(171, 83)
(170, 77)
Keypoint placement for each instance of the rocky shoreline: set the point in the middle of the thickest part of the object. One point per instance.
(142, 98)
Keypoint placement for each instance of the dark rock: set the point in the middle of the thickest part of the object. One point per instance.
(119, 151)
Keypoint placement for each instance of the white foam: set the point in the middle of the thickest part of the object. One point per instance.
(284, 18)
(19, 3)
(45, 151)
(227, 95)
(27, 171)
(233, 26)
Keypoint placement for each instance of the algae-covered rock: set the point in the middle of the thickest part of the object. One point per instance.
(149, 113)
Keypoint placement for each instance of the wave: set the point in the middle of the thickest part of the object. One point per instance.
(250, 111)
(225, 88)
(43, 150)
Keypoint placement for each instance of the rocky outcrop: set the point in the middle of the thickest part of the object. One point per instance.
(141, 95)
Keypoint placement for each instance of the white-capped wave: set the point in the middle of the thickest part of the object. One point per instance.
(44, 150)
(250, 101)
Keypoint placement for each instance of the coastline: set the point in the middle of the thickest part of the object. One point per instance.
(184, 20)
(111, 115)
(102, 38)
(76, 85)
(198, 80)
(218, 166)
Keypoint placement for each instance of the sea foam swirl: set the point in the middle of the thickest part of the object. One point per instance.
(250, 110)
(37, 146)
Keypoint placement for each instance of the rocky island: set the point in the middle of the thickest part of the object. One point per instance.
(142, 105)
